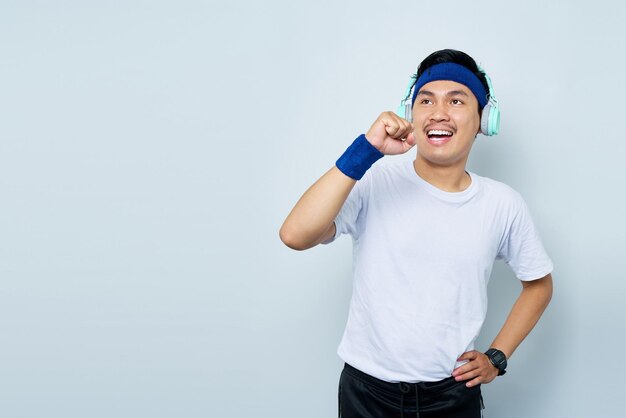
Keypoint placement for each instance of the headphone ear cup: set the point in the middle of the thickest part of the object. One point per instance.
(408, 111)
(405, 110)
(490, 120)
(484, 119)
(494, 120)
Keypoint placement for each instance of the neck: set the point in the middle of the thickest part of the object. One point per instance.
(452, 178)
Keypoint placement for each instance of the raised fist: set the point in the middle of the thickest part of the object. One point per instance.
(391, 134)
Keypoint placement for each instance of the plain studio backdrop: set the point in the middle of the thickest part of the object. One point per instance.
(150, 150)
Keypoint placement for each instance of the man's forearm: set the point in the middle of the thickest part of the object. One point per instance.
(524, 315)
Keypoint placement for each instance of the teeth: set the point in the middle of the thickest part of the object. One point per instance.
(439, 132)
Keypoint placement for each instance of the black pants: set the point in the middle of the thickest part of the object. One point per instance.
(364, 396)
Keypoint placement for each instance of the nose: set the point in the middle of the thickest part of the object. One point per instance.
(439, 112)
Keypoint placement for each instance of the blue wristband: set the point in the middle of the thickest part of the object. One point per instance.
(358, 158)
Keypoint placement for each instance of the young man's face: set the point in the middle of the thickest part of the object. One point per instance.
(445, 122)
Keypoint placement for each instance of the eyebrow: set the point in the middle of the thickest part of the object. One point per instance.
(450, 93)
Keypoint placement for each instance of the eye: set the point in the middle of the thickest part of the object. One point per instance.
(425, 101)
(456, 101)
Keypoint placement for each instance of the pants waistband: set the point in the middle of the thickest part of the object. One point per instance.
(427, 388)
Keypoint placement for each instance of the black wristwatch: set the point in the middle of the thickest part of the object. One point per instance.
(498, 359)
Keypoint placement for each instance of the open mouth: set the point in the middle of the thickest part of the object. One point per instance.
(439, 134)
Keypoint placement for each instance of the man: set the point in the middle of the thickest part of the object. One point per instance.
(425, 235)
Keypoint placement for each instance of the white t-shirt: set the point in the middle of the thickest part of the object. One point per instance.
(422, 260)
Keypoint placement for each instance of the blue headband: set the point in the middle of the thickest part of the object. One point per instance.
(453, 72)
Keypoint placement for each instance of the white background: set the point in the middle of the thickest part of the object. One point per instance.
(150, 150)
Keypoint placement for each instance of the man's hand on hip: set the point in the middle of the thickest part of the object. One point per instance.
(477, 370)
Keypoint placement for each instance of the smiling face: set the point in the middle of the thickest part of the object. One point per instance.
(445, 123)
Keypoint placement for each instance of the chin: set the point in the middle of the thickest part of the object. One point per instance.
(443, 160)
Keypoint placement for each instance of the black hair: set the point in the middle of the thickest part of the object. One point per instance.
(457, 57)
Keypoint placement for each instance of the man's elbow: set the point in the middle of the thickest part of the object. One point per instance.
(292, 239)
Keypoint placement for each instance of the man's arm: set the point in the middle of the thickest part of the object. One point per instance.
(311, 221)
(524, 315)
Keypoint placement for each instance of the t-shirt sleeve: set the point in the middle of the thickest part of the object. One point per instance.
(352, 210)
(521, 247)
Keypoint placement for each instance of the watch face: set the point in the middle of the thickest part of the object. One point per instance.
(497, 357)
